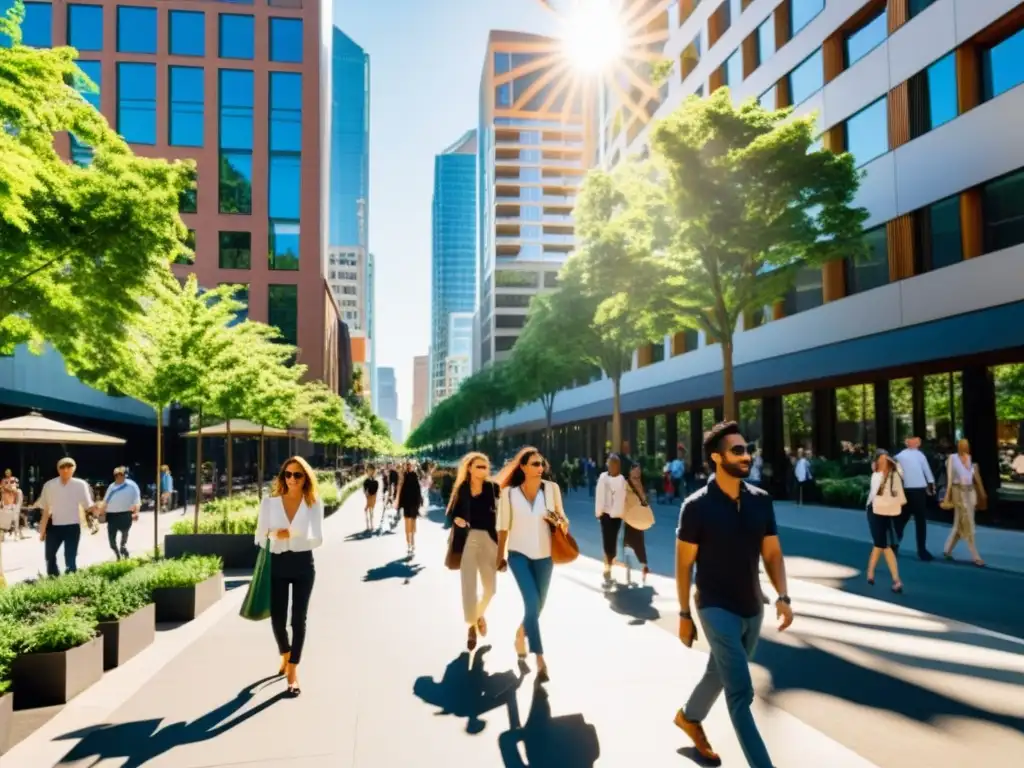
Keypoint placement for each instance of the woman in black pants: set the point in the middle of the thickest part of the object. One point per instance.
(408, 501)
(292, 517)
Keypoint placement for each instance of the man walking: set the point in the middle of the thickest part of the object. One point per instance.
(62, 501)
(676, 470)
(724, 528)
(121, 502)
(918, 484)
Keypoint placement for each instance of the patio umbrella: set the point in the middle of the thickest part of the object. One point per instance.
(242, 428)
(33, 427)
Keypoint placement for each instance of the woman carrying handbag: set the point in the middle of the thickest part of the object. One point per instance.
(885, 503)
(964, 494)
(473, 541)
(533, 527)
(637, 517)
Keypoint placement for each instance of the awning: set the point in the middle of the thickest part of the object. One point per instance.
(33, 427)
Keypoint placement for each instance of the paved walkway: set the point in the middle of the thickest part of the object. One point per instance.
(385, 683)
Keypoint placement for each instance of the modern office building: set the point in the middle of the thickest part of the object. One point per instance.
(347, 268)
(453, 250)
(532, 145)
(387, 401)
(420, 389)
(923, 338)
(459, 360)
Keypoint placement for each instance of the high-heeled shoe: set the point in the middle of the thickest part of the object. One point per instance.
(898, 587)
(284, 663)
(871, 580)
(521, 646)
(471, 639)
(481, 626)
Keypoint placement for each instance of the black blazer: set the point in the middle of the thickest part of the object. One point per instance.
(460, 508)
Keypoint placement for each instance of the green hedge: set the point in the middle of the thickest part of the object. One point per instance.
(851, 492)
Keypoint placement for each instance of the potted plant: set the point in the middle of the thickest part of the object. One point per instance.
(183, 588)
(226, 530)
(59, 655)
(126, 618)
(9, 631)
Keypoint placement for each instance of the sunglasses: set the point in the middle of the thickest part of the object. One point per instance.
(480, 466)
(66, 466)
(289, 475)
(738, 450)
(535, 464)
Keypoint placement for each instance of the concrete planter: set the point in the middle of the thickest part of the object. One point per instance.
(125, 638)
(236, 550)
(330, 509)
(185, 603)
(49, 679)
(6, 717)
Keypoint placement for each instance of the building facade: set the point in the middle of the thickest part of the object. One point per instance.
(347, 267)
(387, 401)
(459, 360)
(420, 389)
(453, 250)
(922, 338)
(531, 158)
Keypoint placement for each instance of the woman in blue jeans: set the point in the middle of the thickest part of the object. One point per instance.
(528, 509)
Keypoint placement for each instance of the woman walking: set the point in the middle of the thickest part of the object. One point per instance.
(473, 509)
(609, 504)
(885, 503)
(528, 509)
(292, 517)
(370, 487)
(637, 517)
(409, 499)
(963, 490)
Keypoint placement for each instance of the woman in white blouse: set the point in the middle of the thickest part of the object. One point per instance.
(885, 503)
(528, 508)
(963, 487)
(609, 505)
(292, 518)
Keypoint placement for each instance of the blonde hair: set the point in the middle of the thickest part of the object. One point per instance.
(463, 474)
(512, 474)
(310, 489)
(963, 445)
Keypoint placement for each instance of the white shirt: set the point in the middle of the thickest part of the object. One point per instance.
(65, 501)
(916, 472)
(121, 497)
(528, 531)
(802, 470)
(306, 528)
(962, 474)
(886, 504)
(610, 495)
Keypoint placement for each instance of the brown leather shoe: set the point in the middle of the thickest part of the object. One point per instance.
(696, 733)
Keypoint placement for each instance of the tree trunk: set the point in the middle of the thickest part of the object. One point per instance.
(159, 479)
(616, 413)
(549, 416)
(260, 470)
(199, 473)
(728, 383)
(231, 463)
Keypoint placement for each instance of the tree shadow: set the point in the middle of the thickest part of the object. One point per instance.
(396, 569)
(567, 741)
(140, 741)
(467, 690)
(635, 602)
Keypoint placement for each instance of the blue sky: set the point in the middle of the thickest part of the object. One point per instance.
(425, 58)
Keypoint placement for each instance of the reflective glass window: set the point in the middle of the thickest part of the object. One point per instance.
(237, 36)
(286, 40)
(1002, 66)
(187, 33)
(136, 102)
(872, 270)
(85, 27)
(867, 132)
(937, 230)
(285, 112)
(807, 79)
(235, 250)
(1002, 205)
(283, 311)
(235, 182)
(802, 13)
(236, 100)
(914, 7)
(734, 69)
(933, 96)
(768, 98)
(136, 29)
(186, 95)
(766, 40)
(94, 71)
(188, 202)
(861, 42)
(283, 186)
(36, 27)
(283, 249)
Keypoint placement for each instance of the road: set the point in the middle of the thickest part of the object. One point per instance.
(932, 677)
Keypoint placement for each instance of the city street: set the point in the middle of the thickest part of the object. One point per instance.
(856, 682)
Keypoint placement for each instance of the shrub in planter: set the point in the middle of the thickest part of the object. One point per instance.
(232, 523)
(127, 620)
(24, 600)
(116, 569)
(183, 588)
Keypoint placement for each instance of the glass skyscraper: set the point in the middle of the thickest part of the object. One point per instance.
(453, 265)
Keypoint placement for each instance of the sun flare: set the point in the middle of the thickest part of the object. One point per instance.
(594, 35)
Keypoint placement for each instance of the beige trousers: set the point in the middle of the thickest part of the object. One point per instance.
(964, 500)
(479, 557)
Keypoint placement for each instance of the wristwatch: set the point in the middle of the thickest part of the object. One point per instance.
(784, 599)
(685, 615)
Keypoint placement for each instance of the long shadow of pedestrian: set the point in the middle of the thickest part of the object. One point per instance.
(637, 602)
(396, 569)
(567, 741)
(140, 741)
(360, 536)
(468, 690)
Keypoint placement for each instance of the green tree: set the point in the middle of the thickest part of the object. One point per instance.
(78, 245)
(749, 204)
(325, 415)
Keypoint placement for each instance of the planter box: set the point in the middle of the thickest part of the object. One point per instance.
(330, 509)
(6, 717)
(49, 679)
(185, 603)
(124, 638)
(237, 550)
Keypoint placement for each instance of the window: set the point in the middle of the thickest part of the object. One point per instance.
(235, 250)
(236, 36)
(1002, 207)
(861, 42)
(867, 133)
(284, 186)
(136, 29)
(719, 22)
(871, 271)
(1002, 66)
(510, 278)
(235, 181)
(504, 343)
(241, 295)
(509, 321)
(236, 99)
(188, 201)
(36, 27)
(689, 58)
(807, 293)
(187, 35)
(766, 40)
(807, 79)
(186, 95)
(550, 279)
(136, 102)
(733, 69)
(286, 40)
(94, 72)
(768, 99)
(283, 311)
(933, 99)
(938, 236)
(285, 112)
(190, 243)
(512, 300)
(85, 27)
(914, 7)
(802, 13)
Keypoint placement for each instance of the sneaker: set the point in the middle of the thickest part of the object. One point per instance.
(696, 733)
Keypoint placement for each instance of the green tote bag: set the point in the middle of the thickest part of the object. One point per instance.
(256, 606)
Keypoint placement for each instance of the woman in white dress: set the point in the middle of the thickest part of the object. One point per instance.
(963, 491)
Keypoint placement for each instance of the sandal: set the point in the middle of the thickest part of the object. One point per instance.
(897, 587)
(871, 580)
(481, 626)
(471, 640)
(980, 563)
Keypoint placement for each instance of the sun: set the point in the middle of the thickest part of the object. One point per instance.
(594, 35)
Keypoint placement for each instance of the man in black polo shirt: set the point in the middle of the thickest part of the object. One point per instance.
(724, 528)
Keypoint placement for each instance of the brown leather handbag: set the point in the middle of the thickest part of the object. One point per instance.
(564, 548)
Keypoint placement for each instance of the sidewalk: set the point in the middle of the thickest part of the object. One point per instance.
(385, 683)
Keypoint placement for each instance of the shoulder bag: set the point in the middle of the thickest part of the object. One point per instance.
(947, 499)
(889, 502)
(637, 515)
(256, 606)
(564, 548)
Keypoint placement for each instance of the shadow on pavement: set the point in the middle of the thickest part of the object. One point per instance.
(635, 602)
(140, 741)
(361, 536)
(396, 569)
(691, 754)
(468, 690)
(543, 741)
